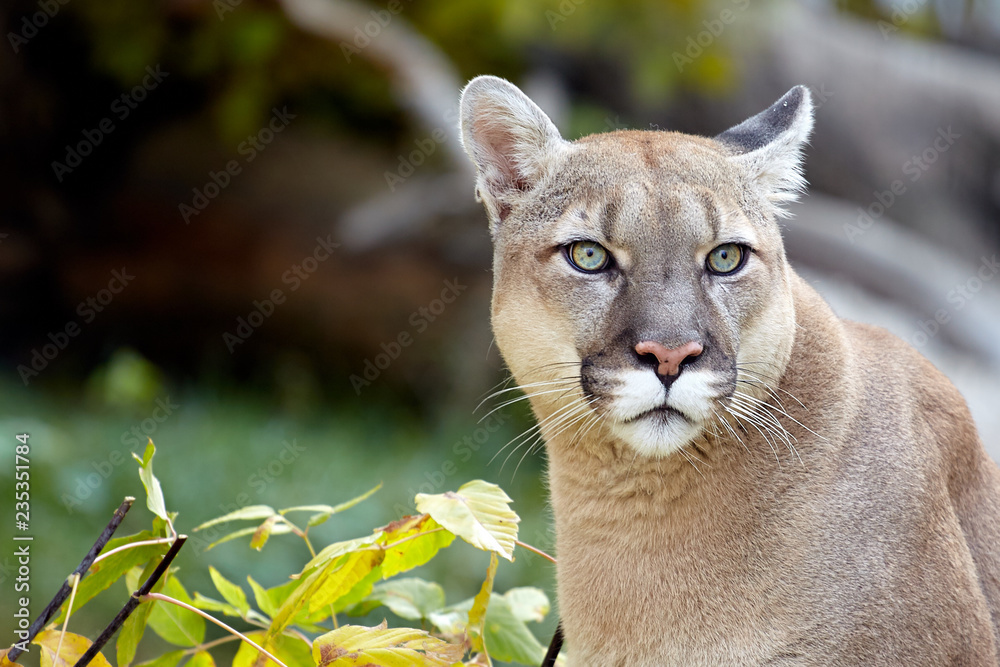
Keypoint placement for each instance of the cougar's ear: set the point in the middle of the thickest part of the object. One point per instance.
(511, 141)
(769, 146)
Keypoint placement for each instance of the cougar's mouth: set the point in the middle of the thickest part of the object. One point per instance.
(661, 412)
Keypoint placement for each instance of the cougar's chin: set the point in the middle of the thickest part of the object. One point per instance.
(656, 421)
(658, 433)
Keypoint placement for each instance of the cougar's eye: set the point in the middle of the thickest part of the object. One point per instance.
(725, 259)
(588, 256)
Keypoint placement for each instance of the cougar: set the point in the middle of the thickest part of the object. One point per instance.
(737, 476)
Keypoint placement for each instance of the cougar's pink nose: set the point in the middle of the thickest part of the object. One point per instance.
(670, 360)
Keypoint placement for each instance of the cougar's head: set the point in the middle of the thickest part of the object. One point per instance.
(638, 275)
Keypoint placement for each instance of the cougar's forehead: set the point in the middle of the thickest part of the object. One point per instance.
(645, 191)
(618, 157)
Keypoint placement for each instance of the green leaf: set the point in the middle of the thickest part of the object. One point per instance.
(323, 512)
(232, 593)
(338, 549)
(280, 529)
(507, 637)
(154, 494)
(290, 650)
(479, 513)
(415, 551)
(354, 646)
(135, 625)
(480, 603)
(453, 620)
(72, 649)
(107, 571)
(248, 513)
(410, 598)
(260, 595)
(177, 625)
(528, 604)
(201, 659)
(166, 660)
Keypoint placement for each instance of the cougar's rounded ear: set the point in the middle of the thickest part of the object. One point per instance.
(509, 139)
(769, 146)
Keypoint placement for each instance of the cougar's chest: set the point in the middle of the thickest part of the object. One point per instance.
(651, 577)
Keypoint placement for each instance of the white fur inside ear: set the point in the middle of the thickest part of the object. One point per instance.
(770, 147)
(511, 141)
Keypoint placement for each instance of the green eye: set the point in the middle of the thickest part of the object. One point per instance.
(588, 256)
(725, 259)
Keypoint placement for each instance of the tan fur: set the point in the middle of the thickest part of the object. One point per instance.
(869, 534)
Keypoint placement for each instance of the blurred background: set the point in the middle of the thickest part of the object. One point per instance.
(246, 229)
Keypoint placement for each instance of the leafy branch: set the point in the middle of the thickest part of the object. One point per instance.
(295, 623)
(132, 603)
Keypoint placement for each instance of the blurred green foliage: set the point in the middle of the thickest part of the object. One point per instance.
(248, 56)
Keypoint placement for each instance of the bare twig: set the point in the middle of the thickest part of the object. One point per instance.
(132, 545)
(534, 550)
(554, 648)
(53, 606)
(133, 602)
(75, 578)
(233, 631)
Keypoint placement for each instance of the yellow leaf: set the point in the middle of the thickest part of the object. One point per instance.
(341, 579)
(73, 648)
(477, 615)
(292, 651)
(201, 659)
(479, 513)
(4, 661)
(414, 551)
(357, 646)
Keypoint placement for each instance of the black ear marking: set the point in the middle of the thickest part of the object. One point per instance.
(760, 130)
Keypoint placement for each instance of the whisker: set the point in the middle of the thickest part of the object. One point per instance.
(733, 410)
(537, 427)
(567, 380)
(527, 396)
(688, 457)
(729, 427)
(785, 413)
(768, 420)
(576, 419)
